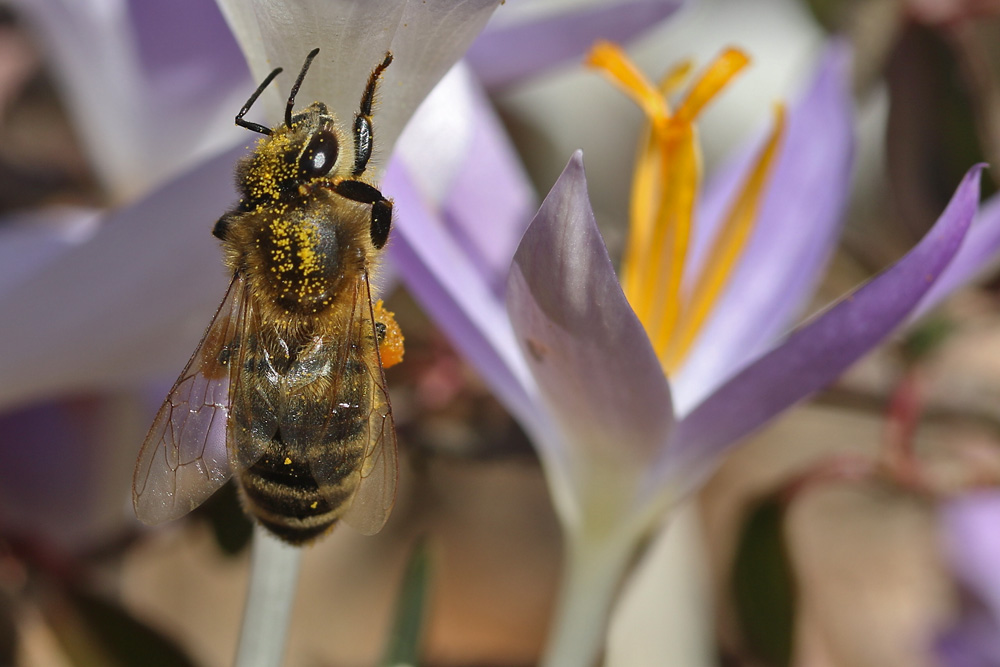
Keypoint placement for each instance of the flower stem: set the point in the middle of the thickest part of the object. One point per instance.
(594, 570)
(274, 571)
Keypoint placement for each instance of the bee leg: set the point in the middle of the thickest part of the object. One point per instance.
(363, 120)
(381, 207)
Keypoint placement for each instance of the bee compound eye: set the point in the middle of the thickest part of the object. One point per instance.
(319, 155)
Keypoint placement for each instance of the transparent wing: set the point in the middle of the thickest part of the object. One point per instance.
(183, 459)
(377, 491)
(254, 396)
(357, 406)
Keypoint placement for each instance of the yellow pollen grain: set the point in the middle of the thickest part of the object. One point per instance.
(314, 505)
(288, 461)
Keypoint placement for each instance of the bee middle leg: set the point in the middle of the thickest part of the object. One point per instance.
(360, 191)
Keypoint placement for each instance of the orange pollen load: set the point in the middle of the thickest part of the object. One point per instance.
(390, 348)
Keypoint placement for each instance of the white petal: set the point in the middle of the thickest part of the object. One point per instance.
(426, 37)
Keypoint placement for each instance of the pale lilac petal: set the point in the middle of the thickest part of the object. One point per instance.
(452, 291)
(594, 365)
(440, 134)
(491, 201)
(477, 181)
(503, 56)
(130, 303)
(978, 253)
(795, 235)
(817, 352)
(426, 38)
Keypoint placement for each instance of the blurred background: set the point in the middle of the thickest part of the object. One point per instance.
(819, 542)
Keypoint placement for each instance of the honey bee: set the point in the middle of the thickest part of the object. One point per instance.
(289, 372)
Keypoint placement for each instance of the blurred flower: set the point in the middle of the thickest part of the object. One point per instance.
(630, 408)
(945, 12)
(972, 547)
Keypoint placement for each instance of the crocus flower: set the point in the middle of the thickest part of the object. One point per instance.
(632, 397)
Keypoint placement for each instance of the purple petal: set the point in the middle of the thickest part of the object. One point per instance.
(452, 291)
(795, 235)
(817, 352)
(978, 252)
(503, 56)
(130, 303)
(591, 357)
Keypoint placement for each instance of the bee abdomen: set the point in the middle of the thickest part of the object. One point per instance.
(280, 491)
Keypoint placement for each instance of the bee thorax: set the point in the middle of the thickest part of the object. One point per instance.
(303, 262)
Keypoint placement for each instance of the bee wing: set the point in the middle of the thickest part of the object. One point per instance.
(183, 459)
(356, 358)
(377, 490)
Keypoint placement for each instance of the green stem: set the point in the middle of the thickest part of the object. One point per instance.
(274, 571)
(594, 570)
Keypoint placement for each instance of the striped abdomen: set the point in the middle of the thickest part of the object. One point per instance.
(281, 492)
(301, 435)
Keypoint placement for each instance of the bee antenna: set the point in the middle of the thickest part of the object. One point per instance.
(256, 127)
(298, 82)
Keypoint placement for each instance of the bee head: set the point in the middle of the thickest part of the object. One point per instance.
(305, 147)
(292, 156)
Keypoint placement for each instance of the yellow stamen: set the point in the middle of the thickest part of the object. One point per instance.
(675, 77)
(681, 177)
(726, 250)
(664, 193)
(711, 83)
(615, 64)
(647, 174)
(645, 181)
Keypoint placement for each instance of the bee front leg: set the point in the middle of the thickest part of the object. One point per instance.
(381, 207)
(363, 121)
